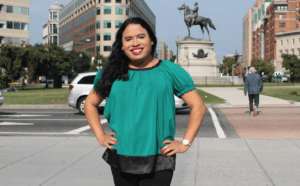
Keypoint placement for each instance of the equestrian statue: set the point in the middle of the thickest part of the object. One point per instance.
(191, 18)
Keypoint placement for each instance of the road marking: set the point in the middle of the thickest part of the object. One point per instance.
(81, 129)
(43, 119)
(218, 127)
(10, 123)
(24, 115)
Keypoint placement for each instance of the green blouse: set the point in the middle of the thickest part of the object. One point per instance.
(142, 110)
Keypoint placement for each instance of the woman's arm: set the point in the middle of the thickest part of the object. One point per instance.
(198, 109)
(91, 113)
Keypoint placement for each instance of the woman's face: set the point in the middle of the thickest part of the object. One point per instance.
(136, 43)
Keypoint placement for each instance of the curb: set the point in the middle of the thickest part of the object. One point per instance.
(36, 107)
(294, 102)
(226, 104)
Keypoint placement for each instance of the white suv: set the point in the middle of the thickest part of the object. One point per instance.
(81, 86)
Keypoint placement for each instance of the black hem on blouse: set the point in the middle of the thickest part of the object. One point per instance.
(139, 164)
(149, 68)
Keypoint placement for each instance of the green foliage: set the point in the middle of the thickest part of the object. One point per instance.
(292, 63)
(95, 63)
(11, 64)
(173, 58)
(228, 62)
(263, 66)
(81, 64)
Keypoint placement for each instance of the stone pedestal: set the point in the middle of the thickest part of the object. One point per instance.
(198, 67)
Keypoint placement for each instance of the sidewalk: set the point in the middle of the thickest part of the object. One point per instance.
(236, 97)
(77, 161)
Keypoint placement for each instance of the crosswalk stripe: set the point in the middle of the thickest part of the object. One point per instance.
(81, 129)
(217, 125)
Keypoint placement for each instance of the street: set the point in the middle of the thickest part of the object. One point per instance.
(70, 122)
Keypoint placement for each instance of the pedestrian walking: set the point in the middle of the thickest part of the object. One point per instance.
(140, 108)
(254, 86)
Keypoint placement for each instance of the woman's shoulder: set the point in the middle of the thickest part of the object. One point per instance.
(169, 64)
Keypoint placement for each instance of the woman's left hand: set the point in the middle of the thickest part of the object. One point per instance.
(174, 147)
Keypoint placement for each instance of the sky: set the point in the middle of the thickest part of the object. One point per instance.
(227, 16)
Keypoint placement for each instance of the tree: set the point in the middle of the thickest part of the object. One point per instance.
(11, 64)
(263, 66)
(173, 58)
(81, 64)
(95, 63)
(292, 63)
(227, 63)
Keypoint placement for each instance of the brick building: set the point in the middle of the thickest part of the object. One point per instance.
(270, 18)
(91, 25)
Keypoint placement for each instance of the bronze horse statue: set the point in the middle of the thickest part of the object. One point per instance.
(199, 20)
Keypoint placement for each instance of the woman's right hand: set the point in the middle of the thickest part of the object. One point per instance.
(107, 139)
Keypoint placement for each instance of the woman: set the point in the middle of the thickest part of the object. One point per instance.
(140, 108)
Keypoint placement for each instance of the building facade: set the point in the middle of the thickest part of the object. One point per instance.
(271, 18)
(51, 27)
(247, 39)
(161, 50)
(287, 43)
(91, 25)
(14, 22)
(169, 54)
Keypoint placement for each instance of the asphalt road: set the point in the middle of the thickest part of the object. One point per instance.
(71, 123)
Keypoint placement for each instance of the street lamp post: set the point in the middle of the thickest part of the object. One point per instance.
(22, 80)
(177, 41)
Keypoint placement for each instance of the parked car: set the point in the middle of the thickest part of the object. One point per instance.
(2, 99)
(81, 86)
(285, 79)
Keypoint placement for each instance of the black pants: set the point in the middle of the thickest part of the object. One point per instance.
(159, 178)
(255, 98)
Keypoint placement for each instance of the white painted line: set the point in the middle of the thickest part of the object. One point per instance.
(4, 119)
(24, 115)
(218, 127)
(77, 131)
(10, 123)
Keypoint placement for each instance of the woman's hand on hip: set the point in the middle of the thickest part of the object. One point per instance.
(173, 147)
(107, 139)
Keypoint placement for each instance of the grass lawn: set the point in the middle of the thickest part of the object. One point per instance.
(210, 99)
(286, 93)
(36, 95)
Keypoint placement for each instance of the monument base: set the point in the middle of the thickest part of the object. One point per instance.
(206, 65)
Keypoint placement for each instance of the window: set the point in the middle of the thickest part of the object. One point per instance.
(17, 25)
(24, 11)
(282, 16)
(107, 24)
(98, 24)
(98, 37)
(287, 42)
(281, 25)
(50, 16)
(119, 10)
(107, 48)
(87, 80)
(9, 39)
(297, 25)
(293, 51)
(107, 36)
(118, 1)
(293, 41)
(55, 40)
(107, 10)
(51, 31)
(9, 9)
(17, 41)
(127, 11)
(98, 10)
(9, 25)
(55, 28)
(98, 49)
(118, 24)
(55, 16)
(24, 26)
(107, 1)
(281, 42)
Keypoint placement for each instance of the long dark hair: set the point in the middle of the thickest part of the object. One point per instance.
(117, 65)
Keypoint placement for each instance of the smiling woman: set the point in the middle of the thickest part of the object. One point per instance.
(140, 108)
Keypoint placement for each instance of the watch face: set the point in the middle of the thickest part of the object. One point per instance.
(185, 142)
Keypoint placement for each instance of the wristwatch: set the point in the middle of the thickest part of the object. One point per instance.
(186, 142)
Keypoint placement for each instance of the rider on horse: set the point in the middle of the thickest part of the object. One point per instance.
(195, 13)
